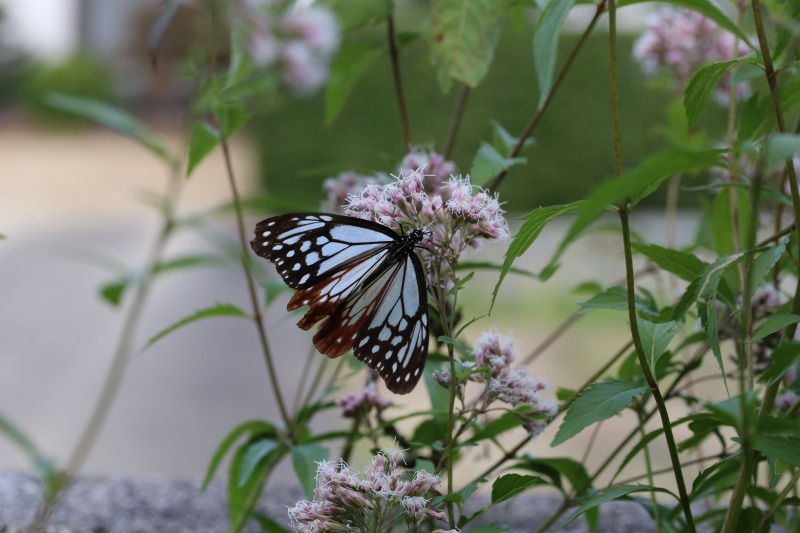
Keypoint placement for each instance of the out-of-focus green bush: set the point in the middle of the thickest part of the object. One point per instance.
(78, 75)
(572, 150)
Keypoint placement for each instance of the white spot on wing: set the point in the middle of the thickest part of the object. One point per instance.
(312, 258)
(304, 279)
(357, 234)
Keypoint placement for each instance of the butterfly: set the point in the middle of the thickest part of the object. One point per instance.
(362, 280)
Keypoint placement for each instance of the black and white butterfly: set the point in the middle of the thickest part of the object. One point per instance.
(363, 280)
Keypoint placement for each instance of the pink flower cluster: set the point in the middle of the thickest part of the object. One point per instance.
(679, 41)
(434, 167)
(343, 501)
(354, 404)
(457, 214)
(508, 383)
(300, 42)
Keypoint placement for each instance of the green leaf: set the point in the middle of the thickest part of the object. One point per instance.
(616, 299)
(656, 338)
(683, 264)
(349, 66)
(720, 474)
(640, 445)
(613, 493)
(251, 427)
(784, 357)
(764, 263)
(555, 467)
(256, 451)
(704, 7)
(231, 117)
(305, 458)
(534, 223)
(112, 292)
(636, 185)
(110, 117)
(509, 485)
(202, 142)
(21, 440)
(545, 44)
(597, 402)
(462, 37)
(786, 449)
(495, 427)
(774, 323)
(488, 162)
(208, 312)
(700, 87)
(355, 14)
(242, 499)
(780, 147)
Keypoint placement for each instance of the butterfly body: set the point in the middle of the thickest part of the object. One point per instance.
(362, 281)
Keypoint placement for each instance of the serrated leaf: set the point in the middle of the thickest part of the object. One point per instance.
(349, 66)
(599, 401)
(208, 312)
(305, 458)
(764, 263)
(607, 495)
(110, 117)
(786, 449)
(252, 427)
(509, 485)
(202, 142)
(534, 223)
(683, 264)
(784, 357)
(700, 87)
(545, 44)
(705, 8)
(715, 476)
(780, 147)
(774, 323)
(488, 162)
(256, 452)
(655, 338)
(635, 185)
(462, 37)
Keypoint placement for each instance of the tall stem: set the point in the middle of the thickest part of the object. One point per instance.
(251, 286)
(455, 121)
(648, 375)
(562, 74)
(398, 82)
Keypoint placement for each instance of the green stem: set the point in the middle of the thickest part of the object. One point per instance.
(398, 82)
(494, 184)
(122, 356)
(455, 121)
(648, 375)
(251, 287)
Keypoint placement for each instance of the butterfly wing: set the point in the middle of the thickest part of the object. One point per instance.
(308, 248)
(370, 299)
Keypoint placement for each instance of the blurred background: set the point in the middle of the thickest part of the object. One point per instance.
(74, 213)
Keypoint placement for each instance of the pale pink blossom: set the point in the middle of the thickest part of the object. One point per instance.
(355, 403)
(679, 41)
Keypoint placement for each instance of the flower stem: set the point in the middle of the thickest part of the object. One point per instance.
(494, 184)
(251, 287)
(398, 82)
(648, 375)
(455, 121)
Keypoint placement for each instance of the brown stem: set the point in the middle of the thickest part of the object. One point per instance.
(398, 82)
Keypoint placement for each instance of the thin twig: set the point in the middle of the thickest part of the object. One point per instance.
(398, 82)
(455, 121)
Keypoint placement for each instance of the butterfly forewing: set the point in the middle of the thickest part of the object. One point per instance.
(308, 247)
(363, 281)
